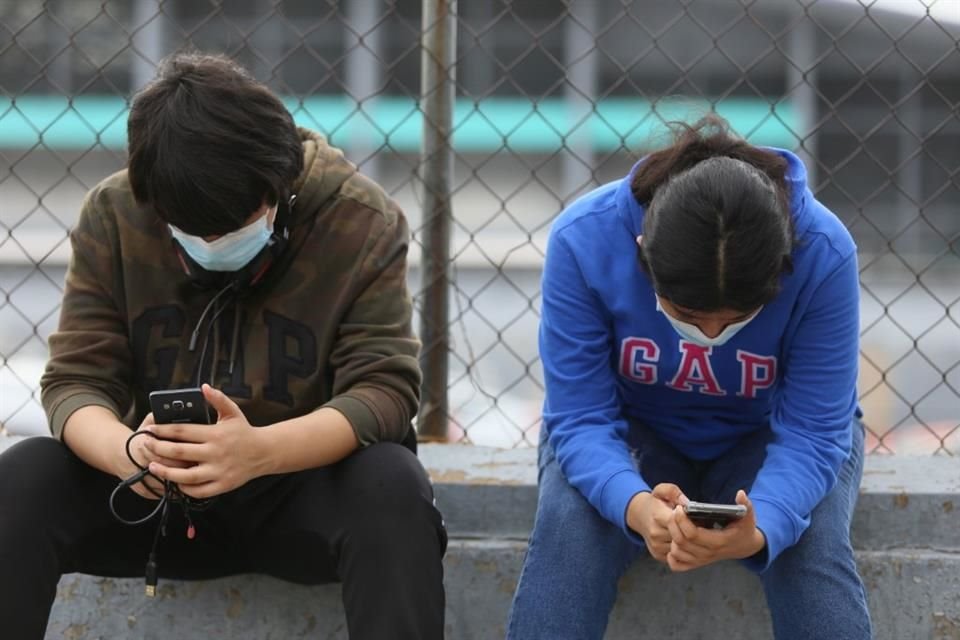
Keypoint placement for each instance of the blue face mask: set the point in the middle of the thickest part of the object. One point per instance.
(230, 252)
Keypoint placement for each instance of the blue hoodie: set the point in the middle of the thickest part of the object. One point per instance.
(611, 358)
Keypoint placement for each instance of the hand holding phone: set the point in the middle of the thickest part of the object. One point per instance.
(222, 456)
(180, 405)
(713, 516)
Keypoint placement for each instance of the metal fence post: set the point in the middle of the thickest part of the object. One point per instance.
(801, 84)
(580, 93)
(437, 98)
(363, 76)
(147, 42)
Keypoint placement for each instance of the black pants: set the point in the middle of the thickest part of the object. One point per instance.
(368, 522)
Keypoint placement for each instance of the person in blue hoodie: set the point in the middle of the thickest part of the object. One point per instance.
(699, 338)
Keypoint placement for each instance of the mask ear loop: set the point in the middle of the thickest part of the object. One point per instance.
(257, 268)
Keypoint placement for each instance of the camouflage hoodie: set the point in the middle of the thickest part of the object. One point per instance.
(329, 325)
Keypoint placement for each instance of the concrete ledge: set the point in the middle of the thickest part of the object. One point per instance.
(906, 532)
(905, 501)
(914, 595)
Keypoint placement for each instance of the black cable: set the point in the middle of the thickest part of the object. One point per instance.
(171, 494)
(134, 479)
(150, 573)
(218, 311)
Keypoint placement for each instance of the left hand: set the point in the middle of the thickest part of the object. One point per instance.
(693, 547)
(225, 455)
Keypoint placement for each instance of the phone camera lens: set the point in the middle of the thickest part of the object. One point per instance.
(178, 405)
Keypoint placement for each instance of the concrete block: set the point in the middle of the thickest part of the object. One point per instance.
(906, 532)
(914, 595)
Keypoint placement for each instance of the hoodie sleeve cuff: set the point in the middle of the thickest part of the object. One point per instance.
(65, 408)
(778, 529)
(615, 498)
(360, 416)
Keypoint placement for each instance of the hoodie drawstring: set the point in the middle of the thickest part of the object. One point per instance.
(235, 337)
(206, 310)
(213, 328)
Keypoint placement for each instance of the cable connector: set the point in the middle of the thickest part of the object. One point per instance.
(151, 576)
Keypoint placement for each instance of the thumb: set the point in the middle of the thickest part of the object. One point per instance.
(669, 493)
(221, 403)
(744, 500)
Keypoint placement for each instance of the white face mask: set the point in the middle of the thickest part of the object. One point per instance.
(229, 252)
(692, 332)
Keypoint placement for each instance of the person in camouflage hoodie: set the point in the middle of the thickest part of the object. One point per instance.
(248, 256)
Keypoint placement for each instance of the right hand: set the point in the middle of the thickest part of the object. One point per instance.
(650, 514)
(144, 457)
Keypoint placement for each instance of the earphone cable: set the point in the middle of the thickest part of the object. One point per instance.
(171, 494)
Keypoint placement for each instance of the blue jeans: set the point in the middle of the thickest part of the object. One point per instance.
(568, 584)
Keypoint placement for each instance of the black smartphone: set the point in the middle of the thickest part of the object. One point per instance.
(180, 405)
(713, 516)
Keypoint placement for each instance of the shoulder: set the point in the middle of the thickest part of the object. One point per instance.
(104, 203)
(819, 230)
(111, 191)
(111, 207)
(825, 227)
(362, 193)
(112, 197)
(590, 218)
(354, 224)
(338, 195)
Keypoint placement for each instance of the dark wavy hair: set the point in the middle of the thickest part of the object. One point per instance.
(718, 232)
(209, 144)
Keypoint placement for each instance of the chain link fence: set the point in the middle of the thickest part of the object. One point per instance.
(547, 100)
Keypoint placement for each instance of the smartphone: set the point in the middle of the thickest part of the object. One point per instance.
(713, 516)
(180, 405)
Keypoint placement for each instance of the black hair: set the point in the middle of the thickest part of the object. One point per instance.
(718, 232)
(209, 145)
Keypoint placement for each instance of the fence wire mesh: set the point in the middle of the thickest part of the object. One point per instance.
(552, 98)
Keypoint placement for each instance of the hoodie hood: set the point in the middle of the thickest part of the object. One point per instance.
(325, 170)
(632, 213)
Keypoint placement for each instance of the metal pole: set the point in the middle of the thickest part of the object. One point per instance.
(436, 101)
(148, 42)
(910, 175)
(580, 92)
(267, 41)
(59, 71)
(802, 81)
(481, 77)
(363, 77)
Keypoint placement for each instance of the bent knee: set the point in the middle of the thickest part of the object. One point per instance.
(33, 457)
(386, 476)
(31, 470)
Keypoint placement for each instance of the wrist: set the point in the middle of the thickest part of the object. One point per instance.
(264, 452)
(636, 506)
(758, 542)
(121, 466)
